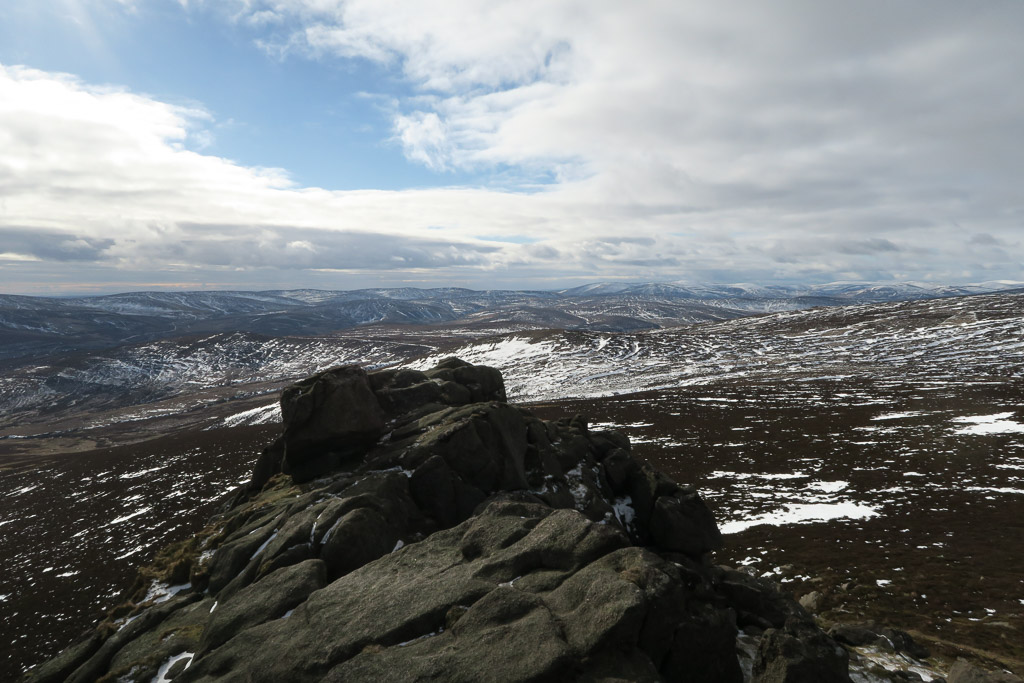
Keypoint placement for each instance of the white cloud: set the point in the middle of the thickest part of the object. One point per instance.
(763, 107)
(424, 139)
(261, 18)
(739, 140)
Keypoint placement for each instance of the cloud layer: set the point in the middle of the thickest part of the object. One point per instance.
(744, 141)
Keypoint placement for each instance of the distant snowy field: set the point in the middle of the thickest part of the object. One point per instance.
(945, 340)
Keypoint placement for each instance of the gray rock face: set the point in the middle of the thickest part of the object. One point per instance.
(270, 598)
(799, 652)
(336, 405)
(519, 592)
(965, 672)
(870, 633)
(412, 525)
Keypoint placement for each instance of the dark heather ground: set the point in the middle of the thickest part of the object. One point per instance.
(74, 527)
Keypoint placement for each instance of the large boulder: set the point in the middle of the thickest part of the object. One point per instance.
(518, 592)
(333, 407)
(328, 418)
(412, 525)
(800, 652)
(335, 417)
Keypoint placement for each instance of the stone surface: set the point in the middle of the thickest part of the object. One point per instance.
(870, 633)
(526, 579)
(270, 598)
(965, 672)
(799, 652)
(335, 406)
(812, 601)
(412, 525)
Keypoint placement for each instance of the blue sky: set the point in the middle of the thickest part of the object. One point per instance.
(344, 143)
(322, 120)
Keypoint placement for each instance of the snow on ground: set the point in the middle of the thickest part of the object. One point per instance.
(791, 500)
(142, 374)
(899, 416)
(801, 345)
(162, 592)
(257, 416)
(801, 513)
(161, 674)
(125, 518)
(989, 424)
(829, 486)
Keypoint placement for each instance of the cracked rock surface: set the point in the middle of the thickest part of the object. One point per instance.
(413, 525)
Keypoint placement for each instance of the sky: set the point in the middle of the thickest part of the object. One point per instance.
(534, 144)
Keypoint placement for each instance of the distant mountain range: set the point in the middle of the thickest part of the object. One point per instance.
(32, 327)
(847, 292)
(62, 359)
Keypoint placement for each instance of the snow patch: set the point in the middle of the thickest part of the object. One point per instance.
(899, 416)
(162, 592)
(800, 513)
(161, 674)
(722, 474)
(994, 489)
(265, 544)
(989, 424)
(829, 486)
(24, 489)
(257, 416)
(142, 473)
(129, 553)
(141, 511)
(624, 512)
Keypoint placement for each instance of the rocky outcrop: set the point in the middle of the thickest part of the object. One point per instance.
(413, 525)
(965, 672)
(870, 633)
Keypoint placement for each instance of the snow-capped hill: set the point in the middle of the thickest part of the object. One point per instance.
(598, 289)
(744, 290)
(38, 326)
(831, 293)
(936, 339)
(901, 291)
(306, 296)
(184, 304)
(881, 292)
(144, 373)
(651, 289)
